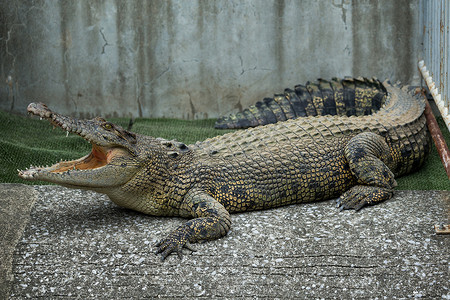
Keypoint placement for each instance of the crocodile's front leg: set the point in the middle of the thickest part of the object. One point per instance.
(210, 221)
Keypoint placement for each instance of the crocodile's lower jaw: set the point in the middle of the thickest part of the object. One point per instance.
(98, 158)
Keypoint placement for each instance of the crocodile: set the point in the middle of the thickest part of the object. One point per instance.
(353, 159)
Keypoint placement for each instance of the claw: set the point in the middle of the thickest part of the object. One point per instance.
(165, 250)
(360, 205)
(338, 202)
(359, 196)
(166, 253)
(190, 247)
(166, 246)
(180, 254)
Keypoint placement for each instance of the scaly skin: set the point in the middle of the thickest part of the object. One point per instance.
(354, 159)
(348, 96)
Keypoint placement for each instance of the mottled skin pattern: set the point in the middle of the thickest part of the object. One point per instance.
(354, 159)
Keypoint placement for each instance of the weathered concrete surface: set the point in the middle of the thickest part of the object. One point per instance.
(194, 59)
(80, 245)
(16, 202)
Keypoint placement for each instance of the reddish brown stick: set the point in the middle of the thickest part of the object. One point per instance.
(438, 138)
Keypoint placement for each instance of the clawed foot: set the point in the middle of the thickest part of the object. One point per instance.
(342, 204)
(175, 242)
(359, 196)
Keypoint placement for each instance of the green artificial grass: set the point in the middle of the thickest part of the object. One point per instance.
(184, 131)
(26, 141)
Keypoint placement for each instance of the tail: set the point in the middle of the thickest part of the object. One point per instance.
(348, 96)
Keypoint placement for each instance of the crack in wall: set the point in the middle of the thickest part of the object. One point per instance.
(138, 98)
(104, 39)
(342, 4)
(161, 74)
(7, 48)
(191, 105)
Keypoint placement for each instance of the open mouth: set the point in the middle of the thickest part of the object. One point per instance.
(99, 156)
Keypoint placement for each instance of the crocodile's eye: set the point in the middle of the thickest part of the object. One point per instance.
(107, 126)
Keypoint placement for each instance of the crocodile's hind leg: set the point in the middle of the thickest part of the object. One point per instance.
(367, 155)
(210, 221)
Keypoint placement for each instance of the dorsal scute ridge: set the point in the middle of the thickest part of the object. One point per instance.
(348, 96)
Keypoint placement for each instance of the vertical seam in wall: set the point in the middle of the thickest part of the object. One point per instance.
(279, 45)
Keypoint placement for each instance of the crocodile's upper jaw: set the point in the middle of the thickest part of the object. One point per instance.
(93, 170)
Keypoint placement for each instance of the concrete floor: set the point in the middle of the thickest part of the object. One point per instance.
(61, 243)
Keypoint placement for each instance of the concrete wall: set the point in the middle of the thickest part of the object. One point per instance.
(194, 59)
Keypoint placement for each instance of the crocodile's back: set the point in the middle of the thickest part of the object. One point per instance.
(303, 159)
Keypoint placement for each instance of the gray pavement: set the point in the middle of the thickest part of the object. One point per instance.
(61, 243)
